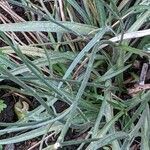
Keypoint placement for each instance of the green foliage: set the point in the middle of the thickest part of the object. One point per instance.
(2, 105)
(84, 60)
(1, 147)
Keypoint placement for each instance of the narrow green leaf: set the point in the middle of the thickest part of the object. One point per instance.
(46, 26)
(134, 50)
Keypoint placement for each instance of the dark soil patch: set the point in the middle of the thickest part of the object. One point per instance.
(8, 114)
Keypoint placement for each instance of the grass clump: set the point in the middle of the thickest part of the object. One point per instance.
(86, 56)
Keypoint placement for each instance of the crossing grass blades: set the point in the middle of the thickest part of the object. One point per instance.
(85, 56)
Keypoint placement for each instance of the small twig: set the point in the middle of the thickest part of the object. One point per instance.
(138, 88)
(143, 74)
(141, 86)
(47, 137)
(121, 18)
(80, 67)
(61, 10)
